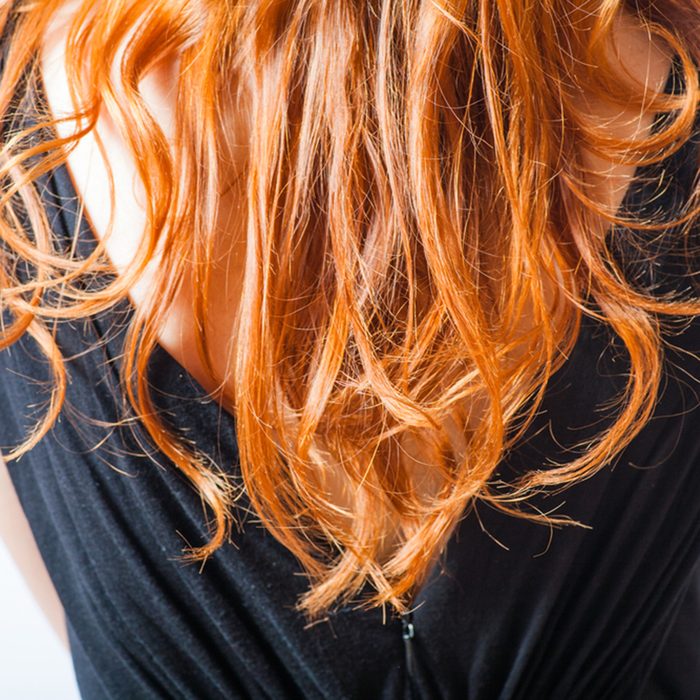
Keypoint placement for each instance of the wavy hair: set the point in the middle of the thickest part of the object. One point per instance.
(414, 181)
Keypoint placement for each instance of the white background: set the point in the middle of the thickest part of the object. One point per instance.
(34, 665)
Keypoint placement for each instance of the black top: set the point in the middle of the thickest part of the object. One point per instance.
(517, 611)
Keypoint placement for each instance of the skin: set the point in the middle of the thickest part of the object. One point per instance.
(646, 60)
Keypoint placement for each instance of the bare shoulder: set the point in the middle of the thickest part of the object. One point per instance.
(16, 533)
(101, 165)
(647, 60)
(644, 55)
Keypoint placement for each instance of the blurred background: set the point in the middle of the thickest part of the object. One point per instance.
(34, 665)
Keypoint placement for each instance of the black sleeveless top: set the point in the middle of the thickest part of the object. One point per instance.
(515, 611)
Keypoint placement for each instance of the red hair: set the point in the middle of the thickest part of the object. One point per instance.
(414, 180)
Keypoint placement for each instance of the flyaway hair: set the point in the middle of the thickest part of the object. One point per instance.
(414, 182)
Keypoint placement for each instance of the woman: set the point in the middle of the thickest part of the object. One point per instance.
(320, 316)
